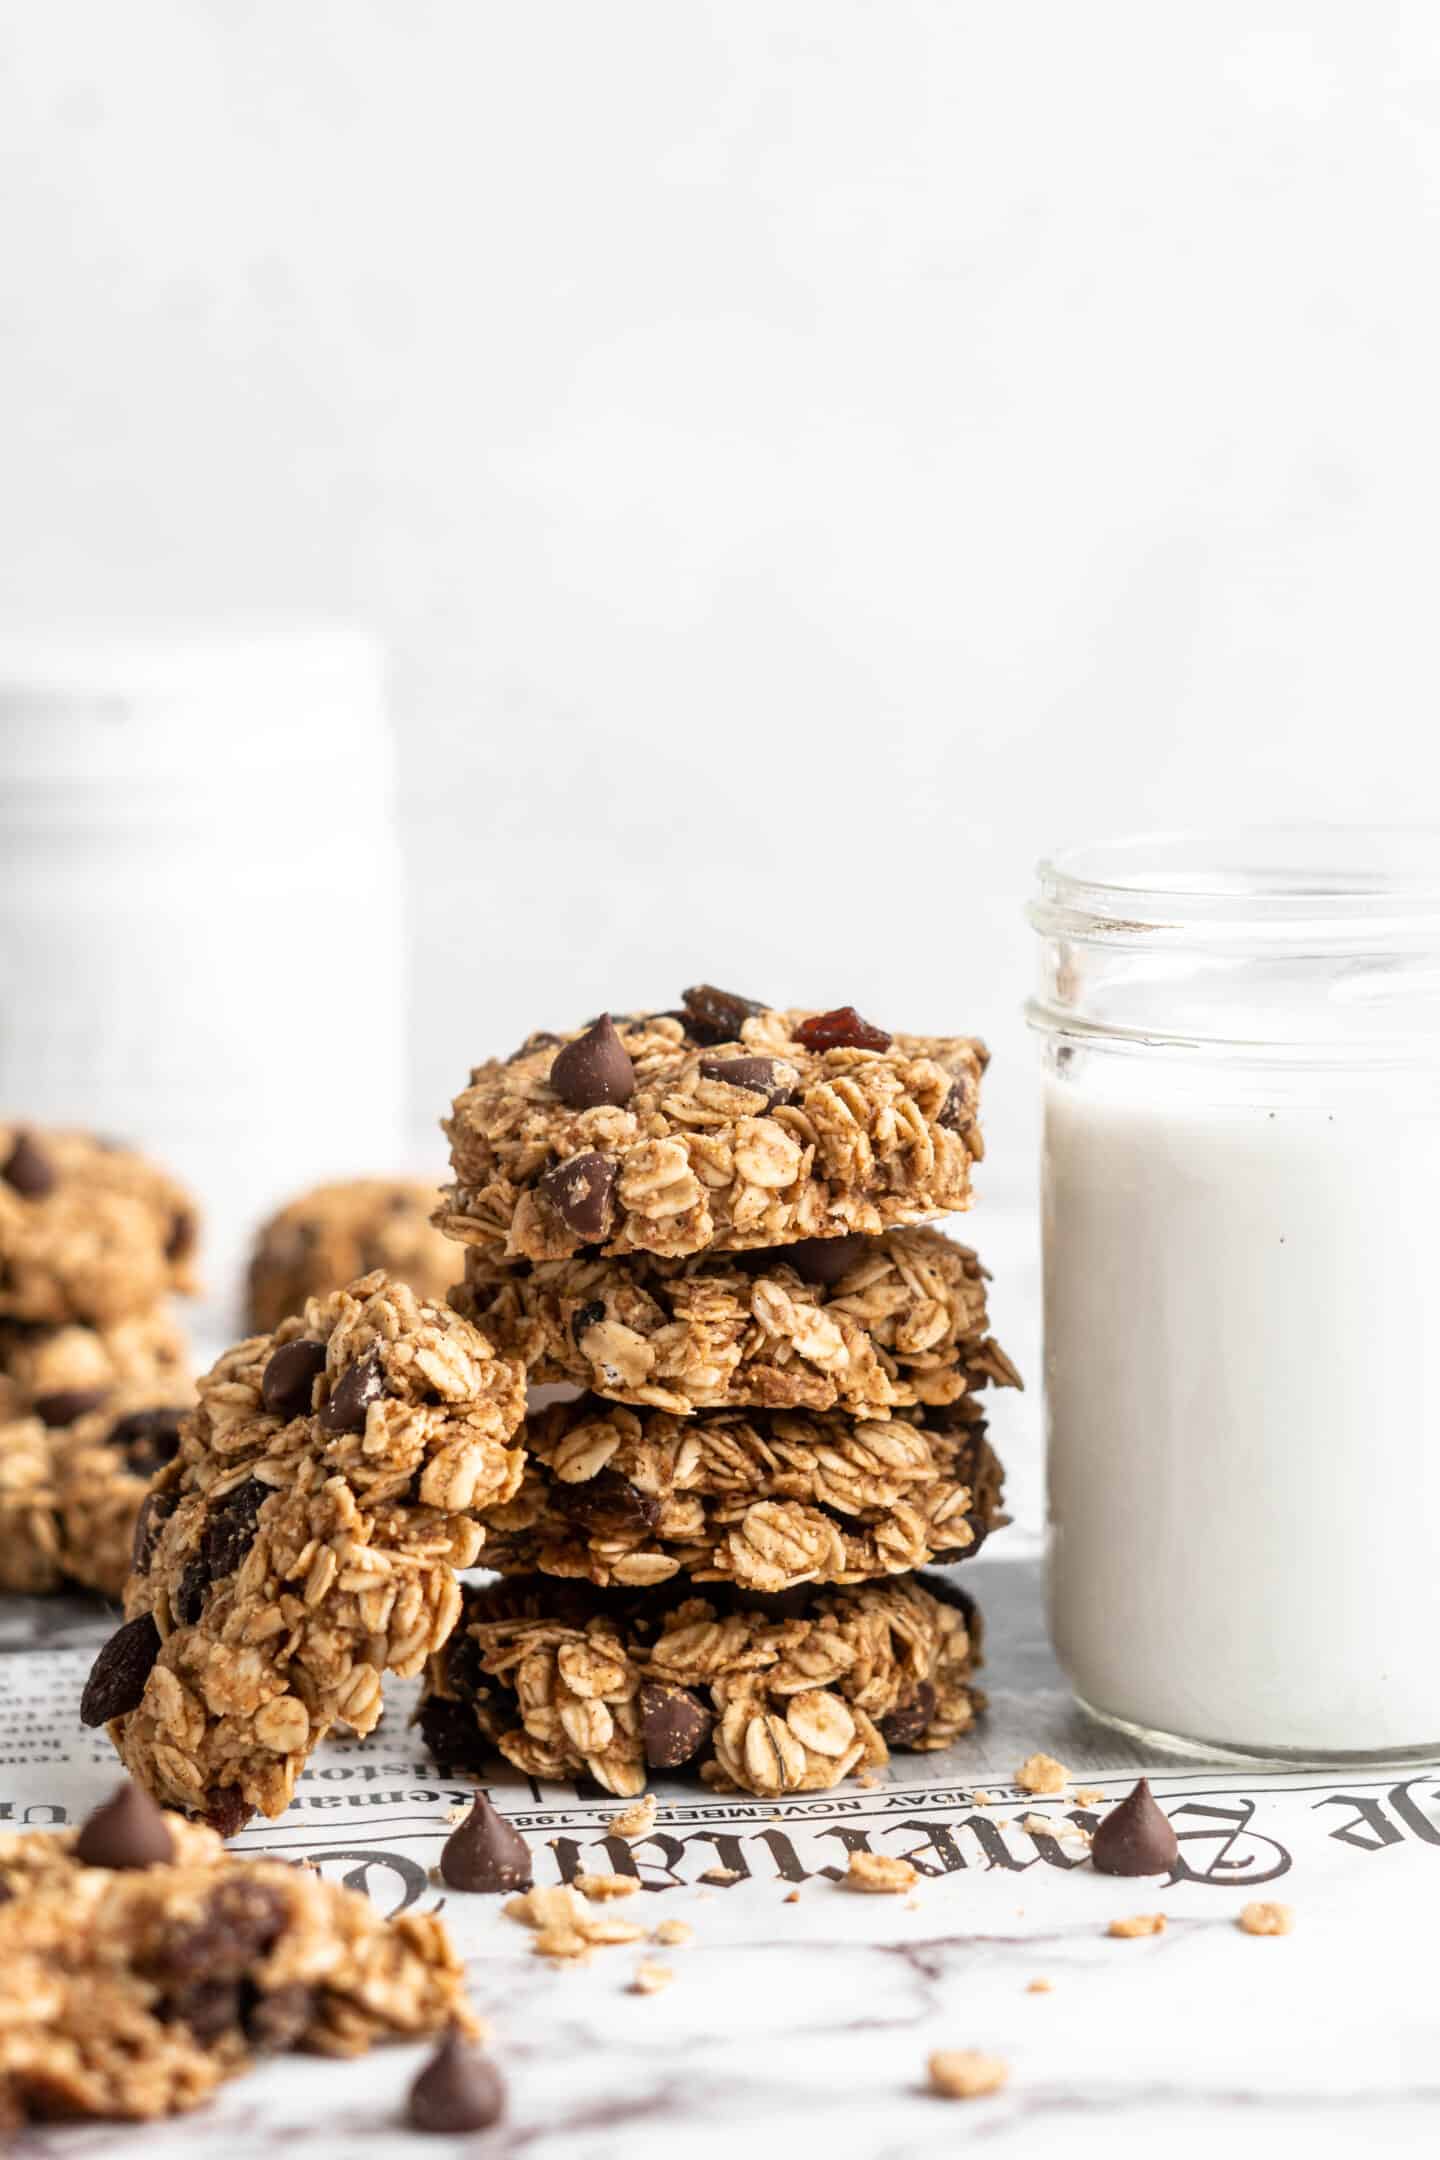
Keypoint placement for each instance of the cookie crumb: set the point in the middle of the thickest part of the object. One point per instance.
(721, 1875)
(650, 1977)
(1087, 1796)
(982, 1799)
(566, 1929)
(1035, 1823)
(1042, 1774)
(963, 2074)
(674, 1933)
(879, 1872)
(602, 1887)
(792, 1897)
(637, 1819)
(1261, 1918)
(1040, 1986)
(1140, 1923)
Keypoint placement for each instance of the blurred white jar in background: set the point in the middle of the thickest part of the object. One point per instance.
(200, 907)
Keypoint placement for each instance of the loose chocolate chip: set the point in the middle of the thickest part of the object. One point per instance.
(287, 1384)
(459, 2089)
(486, 1853)
(153, 1512)
(352, 1395)
(675, 1724)
(228, 1811)
(842, 1029)
(610, 1502)
(451, 1734)
(584, 1318)
(595, 1068)
(128, 1831)
(230, 1531)
(181, 1240)
(906, 1723)
(773, 1078)
(275, 2022)
(1135, 1838)
(716, 1016)
(67, 1404)
(823, 1260)
(580, 1190)
(147, 1438)
(117, 1678)
(28, 1169)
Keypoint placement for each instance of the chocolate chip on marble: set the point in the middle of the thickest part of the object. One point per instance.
(716, 1016)
(128, 1831)
(486, 1853)
(360, 1385)
(774, 1078)
(288, 1382)
(117, 1678)
(841, 1029)
(67, 1404)
(908, 1721)
(581, 1191)
(28, 1169)
(1135, 1838)
(584, 1318)
(823, 1260)
(675, 1724)
(459, 2089)
(594, 1068)
(147, 1438)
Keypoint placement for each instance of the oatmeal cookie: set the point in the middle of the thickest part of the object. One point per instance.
(69, 1496)
(303, 1542)
(862, 1324)
(759, 1695)
(767, 1499)
(335, 1233)
(59, 1374)
(134, 1979)
(725, 1127)
(88, 1230)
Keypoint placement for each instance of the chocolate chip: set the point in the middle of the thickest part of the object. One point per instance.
(209, 2008)
(842, 1029)
(716, 1016)
(117, 1678)
(608, 1502)
(227, 1811)
(67, 1404)
(486, 1853)
(147, 1438)
(459, 2089)
(1135, 1838)
(955, 1110)
(277, 2021)
(451, 1734)
(906, 1723)
(181, 1241)
(128, 1831)
(230, 1528)
(580, 1190)
(675, 1724)
(773, 1078)
(288, 1382)
(28, 1169)
(823, 1260)
(154, 1511)
(350, 1398)
(187, 1600)
(595, 1068)
(239, 1922)
(585, 1317)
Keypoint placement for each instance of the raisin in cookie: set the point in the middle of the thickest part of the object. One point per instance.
(88, 1230)
(140, 1964)
(866, 1325)
(59, 1374)
(724, 1127)
(767, 1499)
(331, 1235)
(70, 1496)
(762, 1696)
(303, 1542)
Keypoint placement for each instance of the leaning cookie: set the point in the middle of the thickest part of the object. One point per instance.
(563, 1681)
(866, 1325)
(303, 1542)
(89, 1230)
(59, 1374)
(723, 1127)
(766, 1499)
(337, 1232)
(141, 1964)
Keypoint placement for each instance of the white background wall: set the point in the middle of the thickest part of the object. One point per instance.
(805, 457)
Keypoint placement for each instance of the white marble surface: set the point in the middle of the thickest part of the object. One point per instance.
(807, 2025)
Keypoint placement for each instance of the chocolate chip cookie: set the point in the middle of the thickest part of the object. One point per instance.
(303, 1542)
(59, 1374)
(724, 1126)
(89, 1230)
(70, 1495)
(761, 1696)
(337, 1232)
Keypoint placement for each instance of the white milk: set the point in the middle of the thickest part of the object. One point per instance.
(1243, 1375)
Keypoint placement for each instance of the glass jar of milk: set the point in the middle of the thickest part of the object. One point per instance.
(1241, 1037)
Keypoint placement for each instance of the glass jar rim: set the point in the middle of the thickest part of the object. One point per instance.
(1321, 888)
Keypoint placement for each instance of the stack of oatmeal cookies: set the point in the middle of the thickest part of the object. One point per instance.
(710, 1222)
(93, 1370)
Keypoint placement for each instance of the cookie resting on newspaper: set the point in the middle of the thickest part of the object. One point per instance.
(722, 1126)
(303, 1542)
